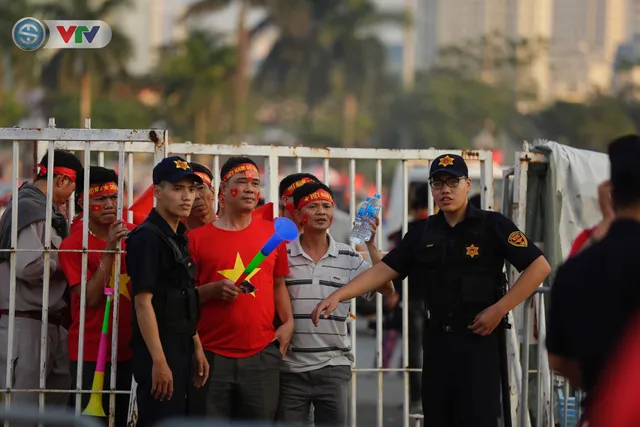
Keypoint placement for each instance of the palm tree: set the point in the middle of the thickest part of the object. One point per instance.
(333, 46)
(242, 48)
(68, 66)
(194, 75)
(17, 68)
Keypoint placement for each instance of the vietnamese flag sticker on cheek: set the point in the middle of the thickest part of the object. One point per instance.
(234, 192)
(305, 219)
(96, 208)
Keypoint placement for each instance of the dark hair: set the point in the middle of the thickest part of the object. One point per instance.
(63, 159)
(197, 167)
(232, 163)
(421, 196)
(308, 188)
(625, 175)
(476, 201)
(290, 179)
(97, 175)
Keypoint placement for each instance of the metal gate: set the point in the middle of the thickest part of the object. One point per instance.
(154, 142)
(542, 398)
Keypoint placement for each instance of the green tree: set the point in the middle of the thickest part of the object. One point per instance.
(242, 48)
(67, 67)
(18, 69)
(328, 49)
(590, 126)
(108, 112)
(446, 110)
(194, 75)
(497, 59)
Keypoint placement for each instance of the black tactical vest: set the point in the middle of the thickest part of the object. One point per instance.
(175, 298)
(462, 270)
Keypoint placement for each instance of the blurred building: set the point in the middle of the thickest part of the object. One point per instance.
(143, 23)
(586, 37)
(633, 18)
(447, 23)
(626, 70)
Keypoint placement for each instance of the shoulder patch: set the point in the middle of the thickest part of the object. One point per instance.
(517, 238)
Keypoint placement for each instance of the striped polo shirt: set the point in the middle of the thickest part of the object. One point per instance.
(309, 283)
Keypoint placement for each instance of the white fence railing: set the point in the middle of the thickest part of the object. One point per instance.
(152, 144)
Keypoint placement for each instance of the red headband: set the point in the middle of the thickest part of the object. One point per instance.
(299, 183)
(244, 167)
(106, 189)
(320, 195)
(205, 179)
(58, 170)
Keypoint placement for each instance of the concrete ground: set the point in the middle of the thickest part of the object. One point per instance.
(367, 384)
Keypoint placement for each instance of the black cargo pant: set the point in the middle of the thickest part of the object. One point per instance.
(178, 351)
(461, 379)
(123, 383)
(239, 389)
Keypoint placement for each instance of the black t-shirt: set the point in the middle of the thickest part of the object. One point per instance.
(593, 297)
(506, 239)
(149, 258)
(415, 292)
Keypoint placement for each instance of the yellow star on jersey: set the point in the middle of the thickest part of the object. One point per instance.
(237, 270)
(124, 281)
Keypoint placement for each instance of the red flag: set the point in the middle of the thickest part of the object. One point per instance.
(265, 212)
(142, 206)
(615, 401)
(580, 241)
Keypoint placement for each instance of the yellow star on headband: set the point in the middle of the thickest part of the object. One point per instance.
(446, 161)
(235, 272)
(181, 164)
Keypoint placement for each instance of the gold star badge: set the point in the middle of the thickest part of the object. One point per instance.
(236, 271)
(446, 161)
(181, 164)
(472, 251)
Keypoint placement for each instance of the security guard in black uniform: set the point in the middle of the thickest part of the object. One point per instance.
(595, 294)
(461, 253)
(166, 309)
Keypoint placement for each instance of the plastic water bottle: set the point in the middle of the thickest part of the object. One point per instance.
(356, 232)
(373, 209)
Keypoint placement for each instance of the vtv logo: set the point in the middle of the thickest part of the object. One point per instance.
(78, 34)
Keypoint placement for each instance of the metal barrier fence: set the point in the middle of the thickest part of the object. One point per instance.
(154, 142)
(539, 397)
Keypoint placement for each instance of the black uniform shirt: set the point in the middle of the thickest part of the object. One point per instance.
(594, 295)
(505, 236)
(149, 258)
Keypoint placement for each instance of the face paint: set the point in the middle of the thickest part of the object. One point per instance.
(330, 219)
(234, 192)
(305, 219)
(258, 195)
(249, 174)
(96, 208)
